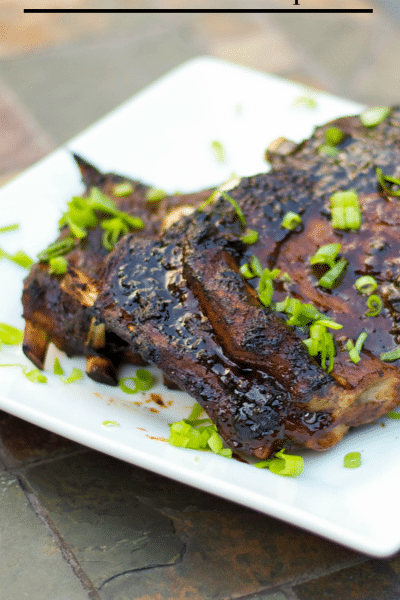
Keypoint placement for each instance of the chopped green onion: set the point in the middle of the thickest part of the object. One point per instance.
(99, 201)
(183, 434)
(288, 465)
(58, 265)
(229, 198)
(390, 356)
(331, 277)
(218, 150)
(8, 228)
(122, 189)
(75, 375)
(236, 206)
(59, 248)
(125, 388)
(345, 210)
(326, 255)
(375, 115)
(384, 179)
(306, 101)
(10, 335)
(291, 221)
(265, 291)
(393, 415)
(300, 314)
(35, 375)
(196, 412)
(246, 271)
(143, 381)
(155, 195)
(334, 136)
(250, 237)
(265, 286)
(110, 424)
(366, 284)
(114, 228)
(328, 150)
(375, 306)
(352, 460)
(57, 368)
(20, 258)
(81, 216)
(256, 267)
(354, 350)
(321, 342)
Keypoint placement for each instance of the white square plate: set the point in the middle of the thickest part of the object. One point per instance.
(163, 137)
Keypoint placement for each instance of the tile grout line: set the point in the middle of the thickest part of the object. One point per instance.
(18, 472)
(65, 550)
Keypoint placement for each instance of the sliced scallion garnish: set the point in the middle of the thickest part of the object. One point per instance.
(142, 381)
(333, 136)
(352, 460)
(390, 356)
(122, 189)
(306, 101)
(58, 265)
(266, 287)
(20, 258)
(8, 228)
(321, 342)
(326, 255)
(75, 375)
(197, 434)
(250, 237)
(375, 115)
(291, 221)
(57, 368)
(219, 150)
(366, 284)
(345, 210)
(288, 465)
(385, 179)
(331, 277)
(375, 305)
(81, 216)
(229, 198)
(10, 335)
(155, 194)
(246, 271)
(393, 415)
(355, 349)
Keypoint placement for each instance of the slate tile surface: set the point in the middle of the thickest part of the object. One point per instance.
(31, 565)
(368, 581)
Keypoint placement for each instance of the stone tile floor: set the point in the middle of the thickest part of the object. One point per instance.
(77, 524)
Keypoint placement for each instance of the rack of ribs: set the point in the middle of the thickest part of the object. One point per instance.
(178, 300)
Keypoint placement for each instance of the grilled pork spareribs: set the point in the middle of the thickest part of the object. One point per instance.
(179, 299)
